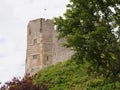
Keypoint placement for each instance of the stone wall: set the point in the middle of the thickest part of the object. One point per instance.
(43, 48)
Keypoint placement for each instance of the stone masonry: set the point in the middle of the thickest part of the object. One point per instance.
(43, 48)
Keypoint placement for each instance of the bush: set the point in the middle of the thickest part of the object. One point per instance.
(25, 84)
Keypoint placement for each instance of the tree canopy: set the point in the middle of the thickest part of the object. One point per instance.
(92, 29)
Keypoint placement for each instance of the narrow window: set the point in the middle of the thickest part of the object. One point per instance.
(47, 58)
(40, 25)
(35, 41)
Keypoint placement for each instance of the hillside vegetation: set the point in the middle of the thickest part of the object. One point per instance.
(69, 75)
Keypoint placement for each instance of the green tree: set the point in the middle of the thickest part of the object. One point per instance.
(92, 29)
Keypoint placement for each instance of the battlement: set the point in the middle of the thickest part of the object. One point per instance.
(43, 48)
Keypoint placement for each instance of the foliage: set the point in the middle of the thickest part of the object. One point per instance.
(72, 76)
(92, 30)
(63, 76)
(25, 84)
(97, 84)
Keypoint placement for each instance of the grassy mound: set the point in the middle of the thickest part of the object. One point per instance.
(69, 75)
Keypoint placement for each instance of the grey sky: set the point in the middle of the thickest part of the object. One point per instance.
(14, 17)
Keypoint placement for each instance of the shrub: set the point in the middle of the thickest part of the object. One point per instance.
(25, 84)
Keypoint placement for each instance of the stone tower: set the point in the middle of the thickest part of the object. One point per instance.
(43, 48)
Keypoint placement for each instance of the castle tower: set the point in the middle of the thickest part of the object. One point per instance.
(43, 48)
(39, 45)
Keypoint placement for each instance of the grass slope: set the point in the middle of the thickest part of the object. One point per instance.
(69, 75)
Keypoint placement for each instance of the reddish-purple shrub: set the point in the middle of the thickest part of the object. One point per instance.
(25, 84)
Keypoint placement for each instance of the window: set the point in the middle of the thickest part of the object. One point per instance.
(35, 41)
(40, 25)
(35, 56)
(47, 58)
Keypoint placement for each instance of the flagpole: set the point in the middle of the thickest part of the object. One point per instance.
(45, 13)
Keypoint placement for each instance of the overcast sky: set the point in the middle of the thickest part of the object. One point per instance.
(14, 17)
